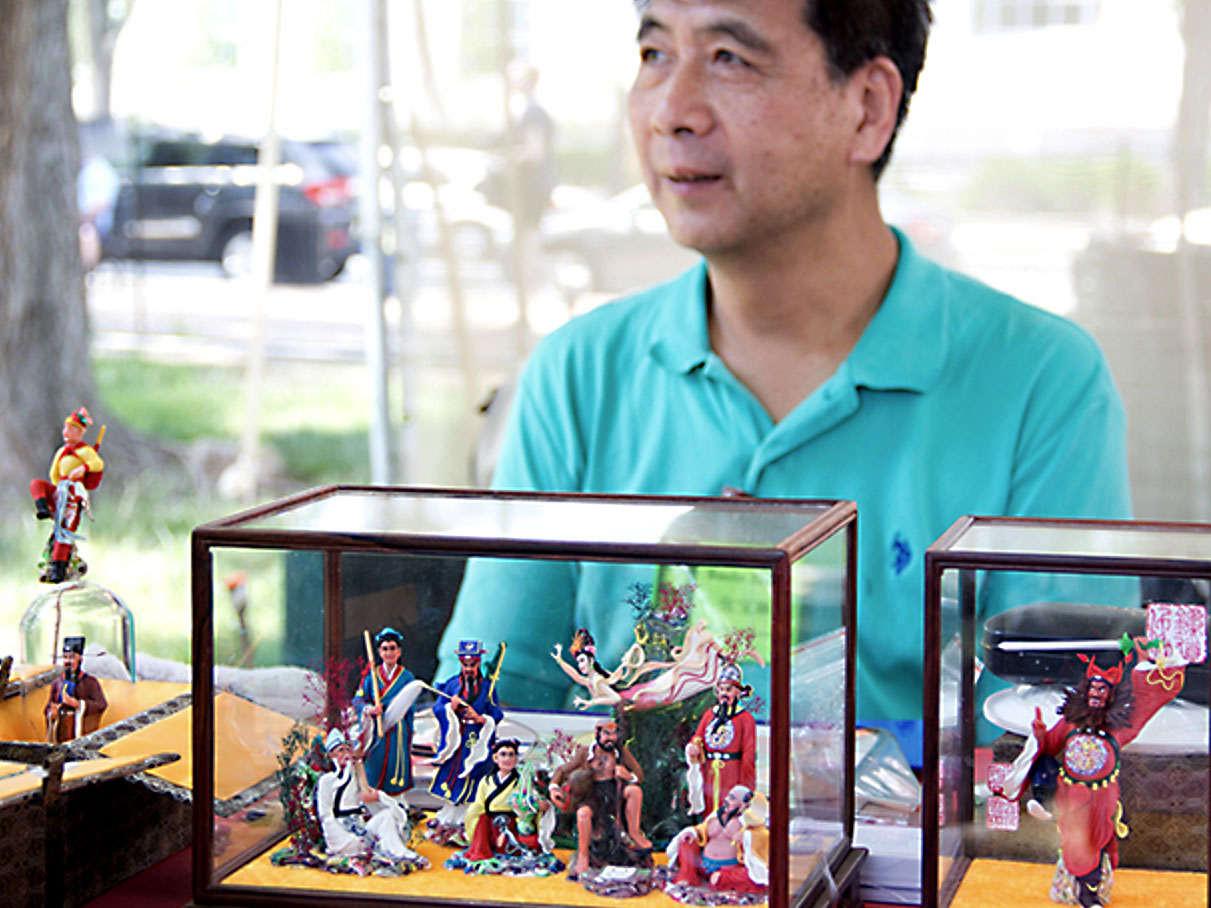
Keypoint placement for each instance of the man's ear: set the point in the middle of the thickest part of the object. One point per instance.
(881, 88)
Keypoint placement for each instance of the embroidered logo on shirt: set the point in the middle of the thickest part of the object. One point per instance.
(901, 553)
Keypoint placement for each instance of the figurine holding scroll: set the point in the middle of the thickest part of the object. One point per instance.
(723, 751)
(385, 707)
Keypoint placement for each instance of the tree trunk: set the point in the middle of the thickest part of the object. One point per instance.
(44, 365)
(101, 41)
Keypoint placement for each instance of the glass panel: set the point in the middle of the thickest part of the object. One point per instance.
(1069, 697)
(558, 521)
(650, 659)
(265, 685)
(1125, 541)
(819, 775)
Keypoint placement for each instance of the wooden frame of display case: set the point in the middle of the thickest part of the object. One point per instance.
(235, 531)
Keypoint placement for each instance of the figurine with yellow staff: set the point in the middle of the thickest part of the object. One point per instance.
(75, 471)
(385, 704)
(467, 716)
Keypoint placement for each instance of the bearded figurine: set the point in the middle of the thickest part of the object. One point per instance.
(723, 751)
(1098, 718)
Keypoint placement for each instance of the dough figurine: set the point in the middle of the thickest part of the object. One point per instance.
(351, 828)
(76, 701)
(509, 821)
(75, 471)
(616, 778)
(385, 707)
(467, 714)
(723, 751)
(1098, 718)
(729, 850)
(599, 842)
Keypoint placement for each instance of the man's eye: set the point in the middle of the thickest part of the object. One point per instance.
(723, 55)
(649, 54)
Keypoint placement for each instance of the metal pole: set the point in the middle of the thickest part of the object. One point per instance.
(378, 88)
(264, 255)
(517, 248)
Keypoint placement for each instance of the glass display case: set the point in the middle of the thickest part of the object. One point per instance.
(639, 696)
(1066, 692)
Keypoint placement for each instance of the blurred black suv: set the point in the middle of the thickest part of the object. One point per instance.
(189, 199)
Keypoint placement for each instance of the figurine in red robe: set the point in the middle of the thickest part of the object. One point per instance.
(1098, 718)
(723, 752)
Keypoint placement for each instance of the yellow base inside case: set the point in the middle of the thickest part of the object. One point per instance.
(439, 883)
(1021, 884)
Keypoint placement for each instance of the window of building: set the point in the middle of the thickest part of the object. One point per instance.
(1015, 15)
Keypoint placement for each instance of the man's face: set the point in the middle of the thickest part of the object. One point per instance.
(727, 692)
(733, 804)
(71, 661)
(389, 652)
(743, 136)
(1099, 694)
(72, 433)
(342, 754)
(607, 736)
(469, 665)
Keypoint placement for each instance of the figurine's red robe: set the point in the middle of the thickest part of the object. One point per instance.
(1087, 792)
(730, 755)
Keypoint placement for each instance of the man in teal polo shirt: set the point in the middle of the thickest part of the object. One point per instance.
(812, 354)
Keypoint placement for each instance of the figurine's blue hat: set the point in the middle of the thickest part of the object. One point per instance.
(73, 645)
(470, 648)
(389, 633)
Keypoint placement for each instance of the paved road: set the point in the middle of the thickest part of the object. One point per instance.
(192, 312)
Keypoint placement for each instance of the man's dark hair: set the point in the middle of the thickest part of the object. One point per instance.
(856, 31)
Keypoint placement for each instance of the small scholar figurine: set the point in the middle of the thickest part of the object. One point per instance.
(385, 707)
(509, 820)
(355, 828)
(75, 471)
(76, 701)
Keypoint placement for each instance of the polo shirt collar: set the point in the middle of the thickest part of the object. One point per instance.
(903, 347)
(680, 337)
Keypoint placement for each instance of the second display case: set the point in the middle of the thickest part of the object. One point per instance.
(1066, 714)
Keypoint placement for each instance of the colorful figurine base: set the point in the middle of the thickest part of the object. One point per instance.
(522, 862)
(1065, 888)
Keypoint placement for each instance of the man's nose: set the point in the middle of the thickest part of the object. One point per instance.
(682, 105)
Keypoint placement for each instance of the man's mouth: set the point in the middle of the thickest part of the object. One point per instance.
(693, 177)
